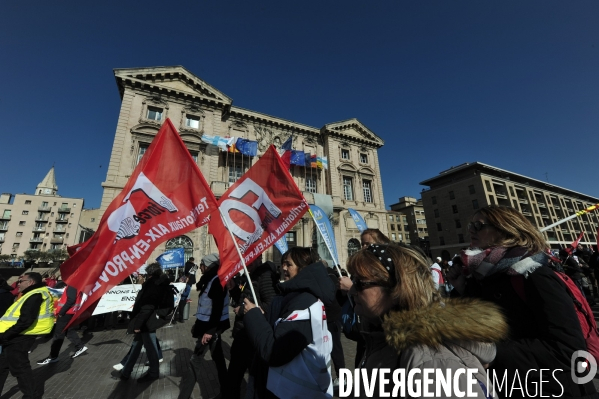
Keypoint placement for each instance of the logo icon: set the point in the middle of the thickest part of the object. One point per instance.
(581, 362)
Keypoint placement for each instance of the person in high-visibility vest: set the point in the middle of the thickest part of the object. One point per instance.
(30, 316)
(68, 305)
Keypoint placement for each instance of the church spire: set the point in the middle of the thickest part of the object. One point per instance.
(48, 185)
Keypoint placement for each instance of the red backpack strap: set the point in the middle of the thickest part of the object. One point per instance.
(518, 285)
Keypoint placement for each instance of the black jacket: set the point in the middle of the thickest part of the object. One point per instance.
(280, 346)
(190, 272)
(544, 330)
(71, 293)
(149, 298)
(29, 313)
(217, 294)
(6, 298)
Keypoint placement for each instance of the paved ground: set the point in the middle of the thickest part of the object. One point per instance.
(90, 375)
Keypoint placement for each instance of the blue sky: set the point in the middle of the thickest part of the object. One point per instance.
(511, 84)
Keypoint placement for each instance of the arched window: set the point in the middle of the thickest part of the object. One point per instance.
(181, 242)
(353, 246)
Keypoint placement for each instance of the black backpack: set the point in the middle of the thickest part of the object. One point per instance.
(163, 314)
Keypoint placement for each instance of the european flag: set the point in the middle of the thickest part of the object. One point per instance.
(298, 158)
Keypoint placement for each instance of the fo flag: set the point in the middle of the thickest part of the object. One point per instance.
(166, 196)
(258, 209)
(358, 220)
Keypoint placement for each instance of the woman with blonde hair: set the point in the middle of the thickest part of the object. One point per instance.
(507, 264)
(412, 328)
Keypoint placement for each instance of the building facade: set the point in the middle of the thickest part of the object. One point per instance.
(414, 221)
(42, 221)
(151, 95)
(397, 226)
(455, 195)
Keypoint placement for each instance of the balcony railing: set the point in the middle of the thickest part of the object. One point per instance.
(542, 205)
(37, 240)
(3, 227)
(59, 231)
(41, 219)
(1, 239)
(64, 210)
(43, 209)
(59, 220)
(56, 240)
(39, 229)
(2, 217)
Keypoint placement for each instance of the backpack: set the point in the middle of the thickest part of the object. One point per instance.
(165, 311)
(581, 306)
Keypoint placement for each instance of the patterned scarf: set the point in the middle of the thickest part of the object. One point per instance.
(515, 260)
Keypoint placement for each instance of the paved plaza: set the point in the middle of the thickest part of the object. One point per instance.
(91, 375)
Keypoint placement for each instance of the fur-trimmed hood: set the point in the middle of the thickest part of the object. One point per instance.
(453, 320)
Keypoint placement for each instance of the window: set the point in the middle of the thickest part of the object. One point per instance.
(363, 158)
(451, 195)
(15, 245)
(392, 227)
(436, 213)
(290, 237)
(55, 204)
(391, 218)
(310, 184)
(194, 155)
(192, 122)
(234, 173)
(25, 213)
(400, 236)
(348, 188)
(471, 189)
(93, 220)
(353, 246)
(367, 188)
(45, 204)
(154, 114)
(512, 191)
(474, 204)
(454, 208)
(458, 224)
(460, 238)
(19, 234)
(441, 241)
(434, 199)
(142, 151)
(28, 202)
(488, 184)
(393, 237)
(439, 227)
(397, 218)
(345, 154)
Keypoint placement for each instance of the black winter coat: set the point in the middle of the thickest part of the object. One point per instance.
(6, 298)
(278, 347)
(149, 298)
(544, 331)
(217, 294)
(29, 313)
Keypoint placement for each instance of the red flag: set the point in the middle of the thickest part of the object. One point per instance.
(74, 248)
(166, 196)
(259, 209)
(574, 244)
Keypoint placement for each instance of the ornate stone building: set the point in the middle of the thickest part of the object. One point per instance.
(352, 180)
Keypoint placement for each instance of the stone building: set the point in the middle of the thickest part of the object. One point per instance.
(42, 221)
(455, 195)
(352, 180)
(414, 222)
(397, 226)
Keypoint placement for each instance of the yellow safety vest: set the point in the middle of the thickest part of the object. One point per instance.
(45, 319)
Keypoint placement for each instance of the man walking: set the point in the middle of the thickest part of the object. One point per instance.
(67, 306)
(31, 315)
(189, 277)
(212, 319)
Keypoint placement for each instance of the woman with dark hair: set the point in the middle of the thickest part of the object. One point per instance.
(293, 331)
(373, 236)
(411, 327)
(506, 264)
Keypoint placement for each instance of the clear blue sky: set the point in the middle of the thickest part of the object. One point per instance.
(511, 84)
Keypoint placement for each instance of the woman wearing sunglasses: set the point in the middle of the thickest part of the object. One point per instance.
(293, 342)
(410, 326)
(507, 264)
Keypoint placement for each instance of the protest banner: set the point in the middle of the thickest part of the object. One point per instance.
(172, 258)
(122, 298)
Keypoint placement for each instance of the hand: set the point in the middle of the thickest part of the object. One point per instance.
(249, 305)
(456, 278)
(236, 310)
(206, 338)
(136, 331)
(345, 283)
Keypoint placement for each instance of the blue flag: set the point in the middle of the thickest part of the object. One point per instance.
(172, 258)
(358, 219)
(326, 230)
(281, 245)
(298, 158)
(307, 158)
(247, 147)
(287, 144)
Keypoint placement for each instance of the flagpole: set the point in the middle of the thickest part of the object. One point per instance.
(574, 216)
(240, 256)
(326, 243)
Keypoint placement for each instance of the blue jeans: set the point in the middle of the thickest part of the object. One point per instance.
(148, 340)
(158, 350)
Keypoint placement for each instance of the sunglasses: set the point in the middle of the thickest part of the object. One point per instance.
(478, 226)
(360, 285)
(21, 281)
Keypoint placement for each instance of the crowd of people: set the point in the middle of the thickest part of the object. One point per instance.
(499, 307)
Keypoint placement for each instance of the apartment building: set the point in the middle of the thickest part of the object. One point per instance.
(352, 179)
(455, 194)
(397, 226)
(415, 228)
(41, 221)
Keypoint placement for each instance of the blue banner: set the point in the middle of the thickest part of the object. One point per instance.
(172, 258)
(326, 231)
(281, 245)
(247, 147)
(298, 158)
(358, 219)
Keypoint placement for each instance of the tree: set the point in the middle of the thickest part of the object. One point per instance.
(31, 255)
(58, 255)
(5, 260)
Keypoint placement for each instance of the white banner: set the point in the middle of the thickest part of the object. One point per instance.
(122, 298)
